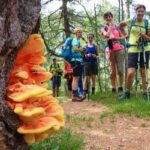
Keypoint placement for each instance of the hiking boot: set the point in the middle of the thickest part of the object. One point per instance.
(113, 90)
(120, 89)
(77, 98)
(145, 96)
(125, 95)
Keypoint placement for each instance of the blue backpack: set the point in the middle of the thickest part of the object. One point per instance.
(66, 50)
(133, 21)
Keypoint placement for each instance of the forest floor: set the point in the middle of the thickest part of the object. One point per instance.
(105, 130)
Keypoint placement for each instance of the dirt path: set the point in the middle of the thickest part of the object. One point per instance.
(107, 131)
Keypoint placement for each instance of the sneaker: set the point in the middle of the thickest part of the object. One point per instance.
(125, 95)
(120, 89)
(145, 96)
(113, 90)
(77, 98)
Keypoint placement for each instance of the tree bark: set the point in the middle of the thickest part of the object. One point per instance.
(18, 19)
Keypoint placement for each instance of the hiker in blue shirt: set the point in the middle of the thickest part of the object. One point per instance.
(76, 63)
(90, 61)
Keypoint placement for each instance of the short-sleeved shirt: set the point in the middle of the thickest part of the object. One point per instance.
(70, 70)
(114, 32)
(76, 56)
(134, 35)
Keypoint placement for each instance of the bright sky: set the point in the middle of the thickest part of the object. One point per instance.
(54, 5)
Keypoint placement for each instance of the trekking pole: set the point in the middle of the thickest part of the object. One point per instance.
(145, 69)
(137, 76)
(126, 64)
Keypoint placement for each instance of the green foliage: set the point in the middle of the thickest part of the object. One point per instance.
(65, 140)
(135, 106)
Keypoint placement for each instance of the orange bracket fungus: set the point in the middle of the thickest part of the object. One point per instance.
(40, 114)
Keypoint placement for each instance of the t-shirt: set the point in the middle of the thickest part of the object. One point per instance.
(134, 35)
(55, 69)
(90, 50)
(68, 69)
(114, 32)
(76, 56)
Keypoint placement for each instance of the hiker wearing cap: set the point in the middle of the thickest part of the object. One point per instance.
(90, 63)
(114, 50)
(56, 79)
(138, 57)
(76, 63)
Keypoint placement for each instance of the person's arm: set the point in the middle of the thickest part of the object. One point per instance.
(104, 33)
(77, 49)
(122, 25)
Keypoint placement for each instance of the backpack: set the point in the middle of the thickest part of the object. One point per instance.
(133, 21)
(66, 50)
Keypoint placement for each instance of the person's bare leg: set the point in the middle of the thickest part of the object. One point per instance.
(144, 79)
(74, 88)
(75, 83)
(93, 83)
(85, 82)
(130, 77)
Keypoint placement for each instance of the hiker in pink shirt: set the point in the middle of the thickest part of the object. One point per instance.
(114, 51)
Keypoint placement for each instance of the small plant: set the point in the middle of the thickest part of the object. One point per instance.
(65, 140)
(107, 114)
(135, 106)
(143, 125)
(79, 120)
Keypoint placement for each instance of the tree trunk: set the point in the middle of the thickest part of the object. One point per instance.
(18, 19)
(127, 8)
(66, 18)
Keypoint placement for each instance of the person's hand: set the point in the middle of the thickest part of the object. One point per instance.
(93, 55)
(89, 55)
(143, 35)
(82, 48)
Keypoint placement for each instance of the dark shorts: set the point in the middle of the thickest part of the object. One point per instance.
(69, 84)
(77, 68)
(56, 82)
(90, 68)
(135, 58)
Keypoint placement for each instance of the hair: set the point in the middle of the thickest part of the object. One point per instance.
(90, 34)
(140, 6)
(77, 29)
(108, 13)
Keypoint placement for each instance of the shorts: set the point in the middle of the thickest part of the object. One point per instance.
(69, 84)
(56, 82)
(90, 68)
(116, 59)
(133, 60)
(77, 68)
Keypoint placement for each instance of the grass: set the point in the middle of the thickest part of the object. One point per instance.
(106, 114)
(65, 140)
(80, 120)
(134, 106)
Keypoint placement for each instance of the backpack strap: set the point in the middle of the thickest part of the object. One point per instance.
(133, 21)
(146, 25)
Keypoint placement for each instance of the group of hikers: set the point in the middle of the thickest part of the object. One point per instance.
(84, 59)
